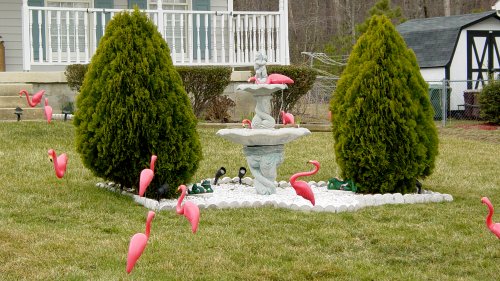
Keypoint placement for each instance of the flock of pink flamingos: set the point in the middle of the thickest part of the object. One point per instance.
(189, 209)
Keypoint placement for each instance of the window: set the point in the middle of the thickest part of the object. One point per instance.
(171, 19)
(64, 30)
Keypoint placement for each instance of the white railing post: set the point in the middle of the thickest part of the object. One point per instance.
(159, 9)
(283, 7)
(26, 37)
(284, 29)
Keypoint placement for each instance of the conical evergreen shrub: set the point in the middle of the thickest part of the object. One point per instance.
(131, 105)
(382, 119)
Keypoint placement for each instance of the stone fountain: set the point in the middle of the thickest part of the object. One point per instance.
(263, 144)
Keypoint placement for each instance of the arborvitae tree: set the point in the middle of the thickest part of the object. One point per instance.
(131, 105)
(385, 136)
(489, 100)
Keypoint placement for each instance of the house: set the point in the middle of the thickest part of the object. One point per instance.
(42, 37)
(462, 49)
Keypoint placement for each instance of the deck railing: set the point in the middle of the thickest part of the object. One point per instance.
(62, 36)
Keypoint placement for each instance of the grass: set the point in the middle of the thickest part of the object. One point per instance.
(68, 229)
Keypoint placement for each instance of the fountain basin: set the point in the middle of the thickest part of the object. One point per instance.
(261, 89)
(261, 137)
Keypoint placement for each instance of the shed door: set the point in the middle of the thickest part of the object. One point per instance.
(483, 57)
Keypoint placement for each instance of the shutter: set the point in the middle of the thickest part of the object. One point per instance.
(35, 30)
(201, 5)
(106, 4)
(142, 4)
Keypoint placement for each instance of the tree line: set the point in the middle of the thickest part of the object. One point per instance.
(331, 25)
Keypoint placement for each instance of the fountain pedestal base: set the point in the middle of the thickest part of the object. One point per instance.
(263, 161)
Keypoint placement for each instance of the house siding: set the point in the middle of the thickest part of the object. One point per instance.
(10, 30)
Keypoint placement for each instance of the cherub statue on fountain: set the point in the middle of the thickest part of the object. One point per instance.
(260, 68)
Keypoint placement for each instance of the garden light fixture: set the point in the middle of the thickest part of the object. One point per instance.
(219, 173)
(242, 172)
(18, 111)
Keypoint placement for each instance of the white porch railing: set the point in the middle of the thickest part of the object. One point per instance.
(62, 36)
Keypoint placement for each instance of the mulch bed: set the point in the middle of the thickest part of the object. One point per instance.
(485, 126)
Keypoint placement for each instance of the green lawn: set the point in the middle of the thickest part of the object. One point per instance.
(68, 229)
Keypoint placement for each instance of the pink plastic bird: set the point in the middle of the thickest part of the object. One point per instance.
(147, 176)
(287, 118)
(274, 78)
(301, 187)
(47, 110)
(60, 162)
(246, 123)
(36, 99)
(190, 210)
(494, 227)
(138, 244)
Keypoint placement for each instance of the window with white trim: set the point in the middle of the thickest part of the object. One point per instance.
(64, 26)
(170, 19)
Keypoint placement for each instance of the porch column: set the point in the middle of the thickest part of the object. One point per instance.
(284, 52)
(161, 27)
(25, 17)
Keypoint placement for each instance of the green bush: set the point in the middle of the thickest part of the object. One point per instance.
(131, 105)
(218, 109)
(489, 101)
(303, 77)
(74, 75)
(204, 84)
(385, 136)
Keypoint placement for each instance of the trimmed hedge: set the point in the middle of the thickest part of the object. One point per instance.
(74, 75)
(204, 84)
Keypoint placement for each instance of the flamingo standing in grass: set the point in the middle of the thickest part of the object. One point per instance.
(138, 244)
(190, 210)
(60, 162)
(494, 227)
(36, 99)
(47, 110)
(147, 176)
(287, 118)
(301, 187)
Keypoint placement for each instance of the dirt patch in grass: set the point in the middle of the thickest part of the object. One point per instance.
(487, 132)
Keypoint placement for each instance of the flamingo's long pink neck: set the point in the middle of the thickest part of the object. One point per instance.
(179, 208)
(54, 159)
(27, 98)
(489, 220)
(151, 215)
(304, 174)
(46, 102)
(152, 164)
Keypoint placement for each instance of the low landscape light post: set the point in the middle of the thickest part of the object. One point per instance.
(242, 172)
(219, 173)
(18, 111)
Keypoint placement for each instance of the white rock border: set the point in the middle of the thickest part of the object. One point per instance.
(228, 193)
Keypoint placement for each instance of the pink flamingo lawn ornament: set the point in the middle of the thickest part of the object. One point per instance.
(494, 227)
(147, 176)
(138, 244)
(60, 162)
(274, 78)
(246, 123)
(287, 118)
(190, 210)
(36, 99)
(47, 110)
(301, 187)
